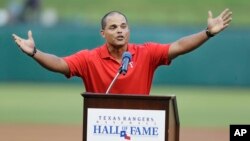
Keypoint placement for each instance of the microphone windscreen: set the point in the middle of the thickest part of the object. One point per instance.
(127, 55)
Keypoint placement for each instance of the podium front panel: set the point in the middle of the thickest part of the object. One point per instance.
(129, 117)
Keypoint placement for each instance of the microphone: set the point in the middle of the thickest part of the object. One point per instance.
(126, 58)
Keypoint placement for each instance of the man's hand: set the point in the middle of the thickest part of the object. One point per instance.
(215, 25)
(27, 46)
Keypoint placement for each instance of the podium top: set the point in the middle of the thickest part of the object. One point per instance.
(132, 96)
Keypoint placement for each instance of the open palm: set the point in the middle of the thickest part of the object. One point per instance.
(215, 25)
(26, 45)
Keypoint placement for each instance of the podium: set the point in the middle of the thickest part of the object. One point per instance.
(130, 117)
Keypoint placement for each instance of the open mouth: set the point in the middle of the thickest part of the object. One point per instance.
(120, 38)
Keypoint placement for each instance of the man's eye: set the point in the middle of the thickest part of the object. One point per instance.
(112, 27)
(124, 26)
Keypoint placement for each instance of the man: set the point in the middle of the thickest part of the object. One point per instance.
(98, 67)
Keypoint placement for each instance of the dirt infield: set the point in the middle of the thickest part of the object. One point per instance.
(74, 133)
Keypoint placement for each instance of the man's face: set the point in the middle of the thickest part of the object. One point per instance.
(116, 31)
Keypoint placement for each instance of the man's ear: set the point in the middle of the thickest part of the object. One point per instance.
(102, 33)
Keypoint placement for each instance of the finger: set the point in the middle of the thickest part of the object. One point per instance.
(227, 21)
(210, 15)
(16, 37)
(30, 34)
(227, 15)
(224, 12)
(18, 42)
(225, 26)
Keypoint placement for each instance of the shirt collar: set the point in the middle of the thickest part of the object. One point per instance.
(105, 53)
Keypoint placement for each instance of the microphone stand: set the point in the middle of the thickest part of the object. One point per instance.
(126, 58)
(113, 81)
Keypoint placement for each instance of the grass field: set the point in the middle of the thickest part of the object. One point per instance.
(27, 103)
(164, 12)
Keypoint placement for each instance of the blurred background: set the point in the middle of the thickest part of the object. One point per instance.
(212, 84)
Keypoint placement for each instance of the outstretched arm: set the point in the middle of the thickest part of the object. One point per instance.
(48, 61)
(191, 42)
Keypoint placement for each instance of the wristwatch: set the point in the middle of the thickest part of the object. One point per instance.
(209, 34)
(33, 53)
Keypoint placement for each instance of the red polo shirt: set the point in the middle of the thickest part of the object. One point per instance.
(97, 68)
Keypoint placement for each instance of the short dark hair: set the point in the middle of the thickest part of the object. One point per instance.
(103, 21)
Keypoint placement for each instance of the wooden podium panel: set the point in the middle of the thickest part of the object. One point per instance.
(117, 101)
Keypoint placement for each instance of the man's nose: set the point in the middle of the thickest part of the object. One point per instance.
(119, 30)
